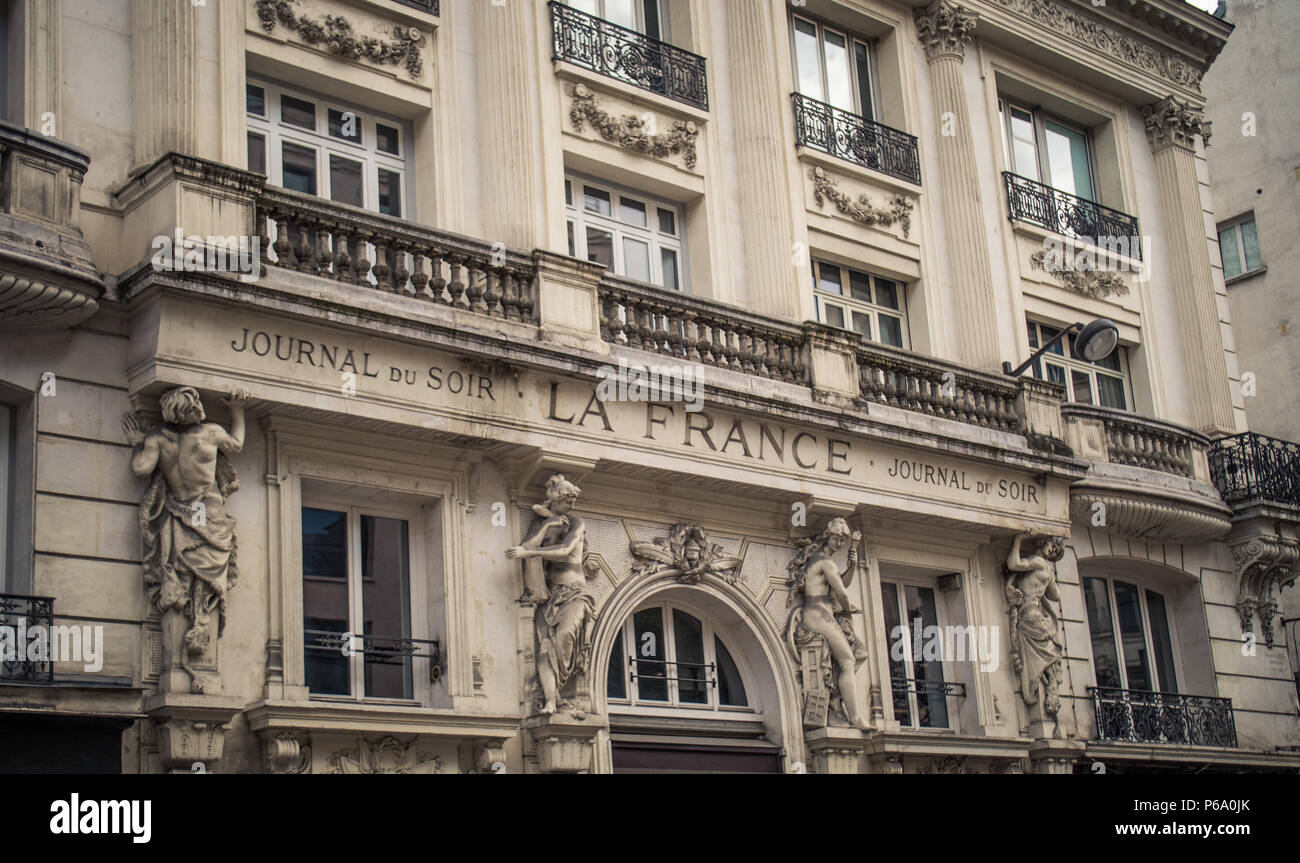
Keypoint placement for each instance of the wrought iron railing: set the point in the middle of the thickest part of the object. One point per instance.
(1031, 201)
(430, 6)
(1140, 441)
(20, 615)
(914, 382)
(711, 678)
(930, 688)
(853, 137)
(626, 55)
(1251, 466)
(377, 649)
(1137, 716)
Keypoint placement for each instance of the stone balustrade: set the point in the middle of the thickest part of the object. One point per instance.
(1143, 442)
(914, 382)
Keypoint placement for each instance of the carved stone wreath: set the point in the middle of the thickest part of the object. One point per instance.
(862, 210)
(686, 553)
(336, 33)
(1085, 279)
(629, 131)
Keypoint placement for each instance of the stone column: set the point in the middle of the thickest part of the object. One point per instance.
(761, 126)
(1172, 127)
(165, 78)
(944, 29)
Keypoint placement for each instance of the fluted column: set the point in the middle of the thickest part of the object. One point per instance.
(944, 29)
(165, 78)
(1172, 127)
(761, 158)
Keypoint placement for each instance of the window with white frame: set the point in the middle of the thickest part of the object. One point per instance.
(632, 234)
(643, 16)
(1047, 149)
(1239, 246)
(667, 656)
(327, 148)
(870, 305)
(1132, 636)
(361, 603)
(833, 66)
(918, 686)
(1104, 382)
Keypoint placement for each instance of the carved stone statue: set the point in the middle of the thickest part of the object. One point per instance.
(562, 624)
(1036, 647)
(189, 540)
(686, 553)
(820, 628)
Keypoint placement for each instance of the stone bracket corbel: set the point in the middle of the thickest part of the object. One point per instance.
(1265, 565)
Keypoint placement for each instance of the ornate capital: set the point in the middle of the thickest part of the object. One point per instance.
(944, 29)
(1265, 565)
(1171, 122)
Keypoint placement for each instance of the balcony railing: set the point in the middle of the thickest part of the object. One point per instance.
(855, 138)
(1031, 201)
(23, 614)
(1137, 716)
(928, 688)
(377, 649)
(376, 252)
(918, 383)
(1251, 466)
(626, 55)
(1144, 442)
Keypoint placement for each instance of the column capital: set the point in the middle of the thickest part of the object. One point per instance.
(944, 28)
(1171, 122)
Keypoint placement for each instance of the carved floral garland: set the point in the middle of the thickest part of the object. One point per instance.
(628, 132)
(336, 33)
(899, 210)
(1082, 278)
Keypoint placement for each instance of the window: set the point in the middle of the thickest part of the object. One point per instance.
(872, 306)
(632, 234)
(1239, 247)
(832, 66)
(920, 699)
(643, 16)
(1142, 656)
(356, 578)
(668, 656)
(1046, 149)
(1105, 382)
(321, 148)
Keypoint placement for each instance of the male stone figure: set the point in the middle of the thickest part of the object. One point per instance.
(826, 610)
(562, 624)
(189, 540)
(1036, 650)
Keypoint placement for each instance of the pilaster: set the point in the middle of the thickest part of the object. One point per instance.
(165, 78)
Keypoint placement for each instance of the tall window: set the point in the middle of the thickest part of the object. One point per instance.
(356, 578)
(1047, 149)
(632, 234)
(326, 148)
(1105, 382)
(643, 16)
(1239, 247)
(870, 305)
(1132, 644)
(919, 690)
(832, 66)
(667, 656)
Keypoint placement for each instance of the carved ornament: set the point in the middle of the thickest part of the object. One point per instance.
(1171, 122)
(336, 34)
(385, 755)
(630, 132)
(685, 553)
(1084, 278)
(862, 210)
(1265, 565)
(944, 29)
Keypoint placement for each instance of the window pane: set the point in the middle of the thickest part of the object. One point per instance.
(617, 686)
(839, 84)
(257, 153)
(731, 689)
(1055, 374)
(1033, 335)
(1110, 392)
(1024, 152)
(931, 706)
(648, 626)
(897, 668)
(1250, 245)
(1161, 641)
(390, 192)
(636, 259)
(387, 139)
(595, 200)
(345, 181)
(668, 261)
(864, 80)
(650, 20)
(255, 100)
(600, 247)
(345, 125)
(591, 7)
(297, 112)
(325, 597)
(1050, 333)
(1067, 159)
(621, 12)
(568, 193)
(1230, 252)
(1136, 665)
(891, 330)
(830, 278)
(667, 222)
(886, 293)
(859, 286)
(807, 59)
(299, 168)
(569, 226)
(1082, 384)
(386, 605)
(1105, 662)
(862, 324)
(632, 212)
(835, 316)
(692, 682)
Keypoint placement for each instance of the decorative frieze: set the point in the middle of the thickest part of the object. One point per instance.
(1265, 565)
(630, 131)
(1171, 122)
(687, 554)
(862, 210)
(944, 29)
(336, 33)
(385, 755)
(1084, 279)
